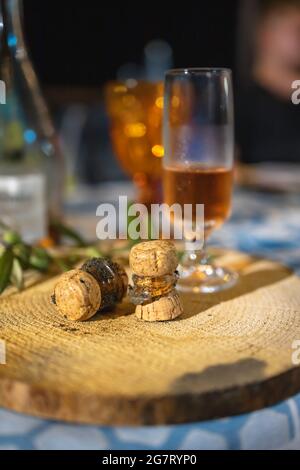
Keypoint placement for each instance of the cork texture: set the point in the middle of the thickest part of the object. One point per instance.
(153, 258)
(164, 309)
(77, 295)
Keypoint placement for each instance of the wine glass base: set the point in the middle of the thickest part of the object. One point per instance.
(206, 279)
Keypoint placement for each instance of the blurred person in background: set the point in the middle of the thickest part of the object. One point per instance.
(267, 122)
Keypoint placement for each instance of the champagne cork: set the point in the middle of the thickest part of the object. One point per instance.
(154, 280)
(81, 293)
(153, 258)
(164, 309)
(77, 295)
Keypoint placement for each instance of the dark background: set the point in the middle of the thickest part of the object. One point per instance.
(83, 43)
(77, 46)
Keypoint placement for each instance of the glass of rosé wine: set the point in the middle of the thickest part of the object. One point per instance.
(198, 165)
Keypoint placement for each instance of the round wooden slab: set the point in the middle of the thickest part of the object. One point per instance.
(230, 353)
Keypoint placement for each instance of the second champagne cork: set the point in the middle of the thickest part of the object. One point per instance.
(154, 278)
(98, 284)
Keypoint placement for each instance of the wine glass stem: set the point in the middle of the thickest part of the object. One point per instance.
(194, 258)
(199, 272)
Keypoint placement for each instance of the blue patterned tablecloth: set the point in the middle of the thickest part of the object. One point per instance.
(261, 224)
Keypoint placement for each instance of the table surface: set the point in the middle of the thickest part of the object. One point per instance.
(265, 224)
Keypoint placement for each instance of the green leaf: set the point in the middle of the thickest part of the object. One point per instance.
(6, 264)
(16, 277)
(132, 242)
(10, 237)
(94, 252)
(22, 252)
(39, 259)
(67, 232)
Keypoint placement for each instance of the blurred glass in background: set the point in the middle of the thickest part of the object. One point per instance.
(135, 111)
(115, 132)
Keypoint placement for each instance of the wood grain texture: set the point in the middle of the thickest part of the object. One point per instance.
(228, 353)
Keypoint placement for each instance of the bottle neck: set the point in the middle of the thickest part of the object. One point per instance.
(4, 49)
(19, 64)
(11, 30)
